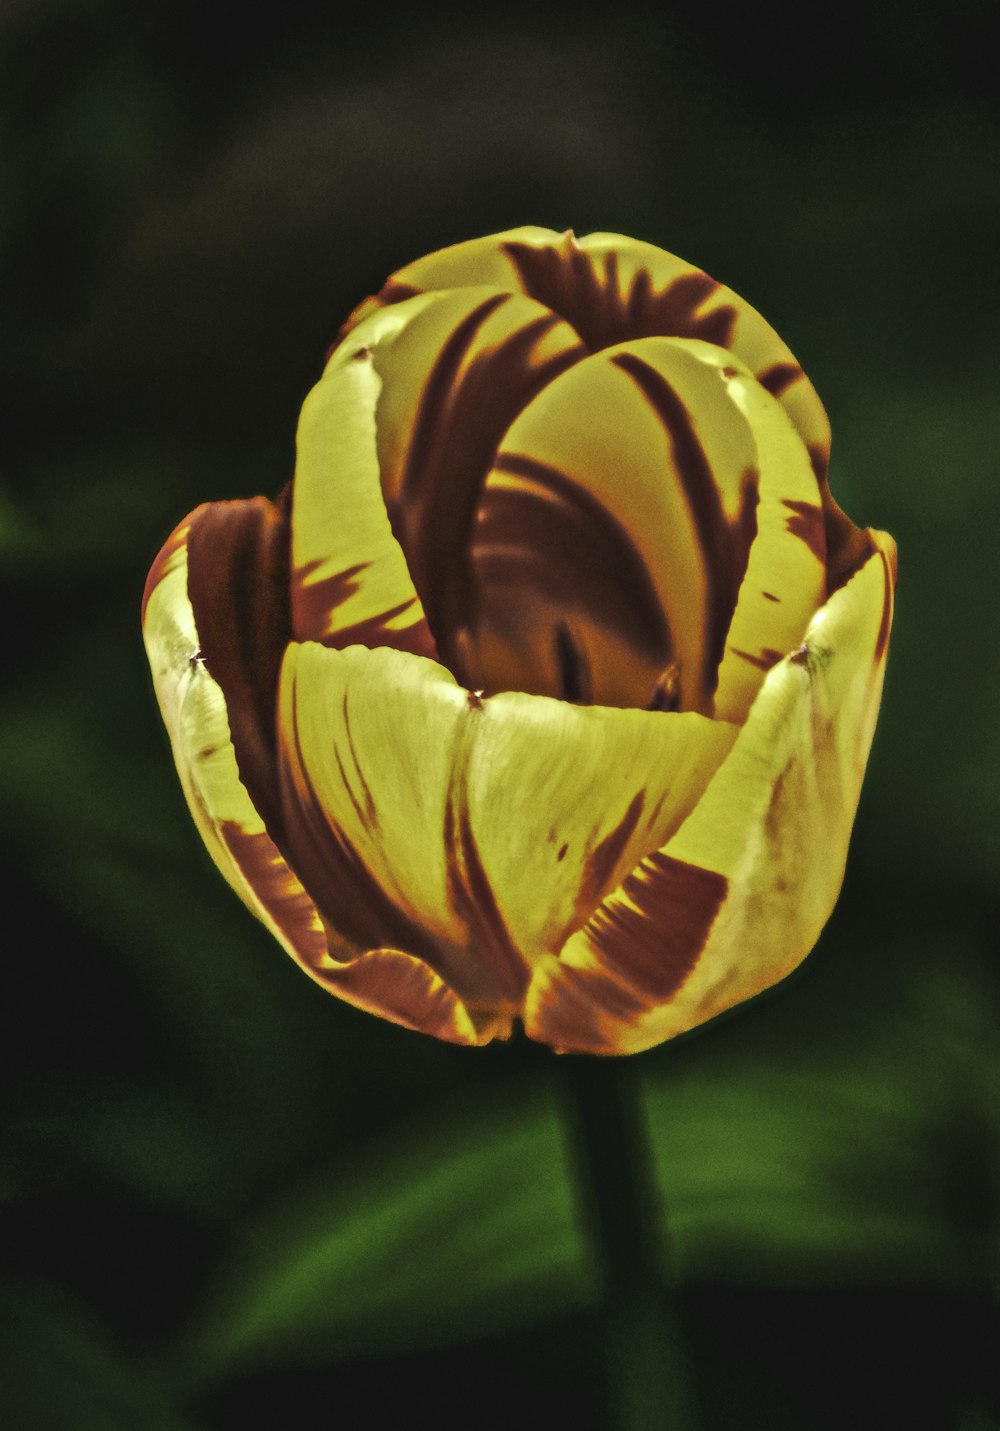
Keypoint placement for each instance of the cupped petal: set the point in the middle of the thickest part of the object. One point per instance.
(612, 289)
(475, 831)
(199, 722)
(737, 898)
(667, 458)
(394, 444)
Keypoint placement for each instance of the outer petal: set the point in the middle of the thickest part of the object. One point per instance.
(389, 982)
(738, 897)
(475, 831)
(613, 288)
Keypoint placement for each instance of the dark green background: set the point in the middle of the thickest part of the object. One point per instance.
(227, 1200)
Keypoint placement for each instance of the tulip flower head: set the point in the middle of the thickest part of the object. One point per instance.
(545, 690)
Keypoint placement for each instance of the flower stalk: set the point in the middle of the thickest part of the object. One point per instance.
(647, 1379)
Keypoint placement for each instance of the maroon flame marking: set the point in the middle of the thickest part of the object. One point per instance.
(474, 902)
(570, 548)
(454, 440)
(645, 955)
(604, 857)
(767, 657)
(349, 894)
(568, 280)
(290, 908)
(725, 546)
(806, 522)
(238, 563)
(778, 378)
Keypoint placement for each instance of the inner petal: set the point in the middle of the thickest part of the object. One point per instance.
(612, 289)
(394, 445)
(614, 532)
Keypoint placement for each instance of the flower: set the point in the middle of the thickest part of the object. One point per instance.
(546, 688)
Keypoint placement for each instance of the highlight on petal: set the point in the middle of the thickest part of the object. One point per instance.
(473, 831)
(737, 898)
(612, 289)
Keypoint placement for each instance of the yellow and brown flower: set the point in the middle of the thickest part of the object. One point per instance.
(545, 690)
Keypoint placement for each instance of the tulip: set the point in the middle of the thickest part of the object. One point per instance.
(544, 691)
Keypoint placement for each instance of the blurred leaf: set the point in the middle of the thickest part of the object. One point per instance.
(867, 1154)
(466, 1224)
(59, 1369)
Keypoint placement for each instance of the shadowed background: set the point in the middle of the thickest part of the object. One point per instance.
(228, 1201)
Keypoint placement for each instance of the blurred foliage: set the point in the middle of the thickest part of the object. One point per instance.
(229, 1201)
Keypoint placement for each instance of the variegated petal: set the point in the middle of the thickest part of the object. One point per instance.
(737, 898)
(475, 831)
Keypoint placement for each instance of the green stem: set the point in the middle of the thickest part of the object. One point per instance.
(645, 1367)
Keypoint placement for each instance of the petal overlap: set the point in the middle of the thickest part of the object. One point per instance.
(738, 896)
(543, 693)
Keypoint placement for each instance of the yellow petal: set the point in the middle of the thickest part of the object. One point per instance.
(667, 458)
(349, 579)
(563, 800)
(394, 445)
(737, 898)
(390, 982)
(613, 288)
(474, 831)
(785, 579)
(195, 714)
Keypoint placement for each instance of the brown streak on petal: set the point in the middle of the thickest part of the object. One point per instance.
(770, 596)
(654, 946)
(806, 523)
(567, 279)
(397, 986)
(474, 902)
(819, 459)
(347, 892)
(461, 418)
(392, 291)
(644, 956)
(778, 378)
(847, 546)
(313, 602)
(767, 658)
(238, 563)
(415, 639)
(571, 664)
(725, 546)
(556, 538)
(585, 1011)
(604, 857)
(289, 907)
